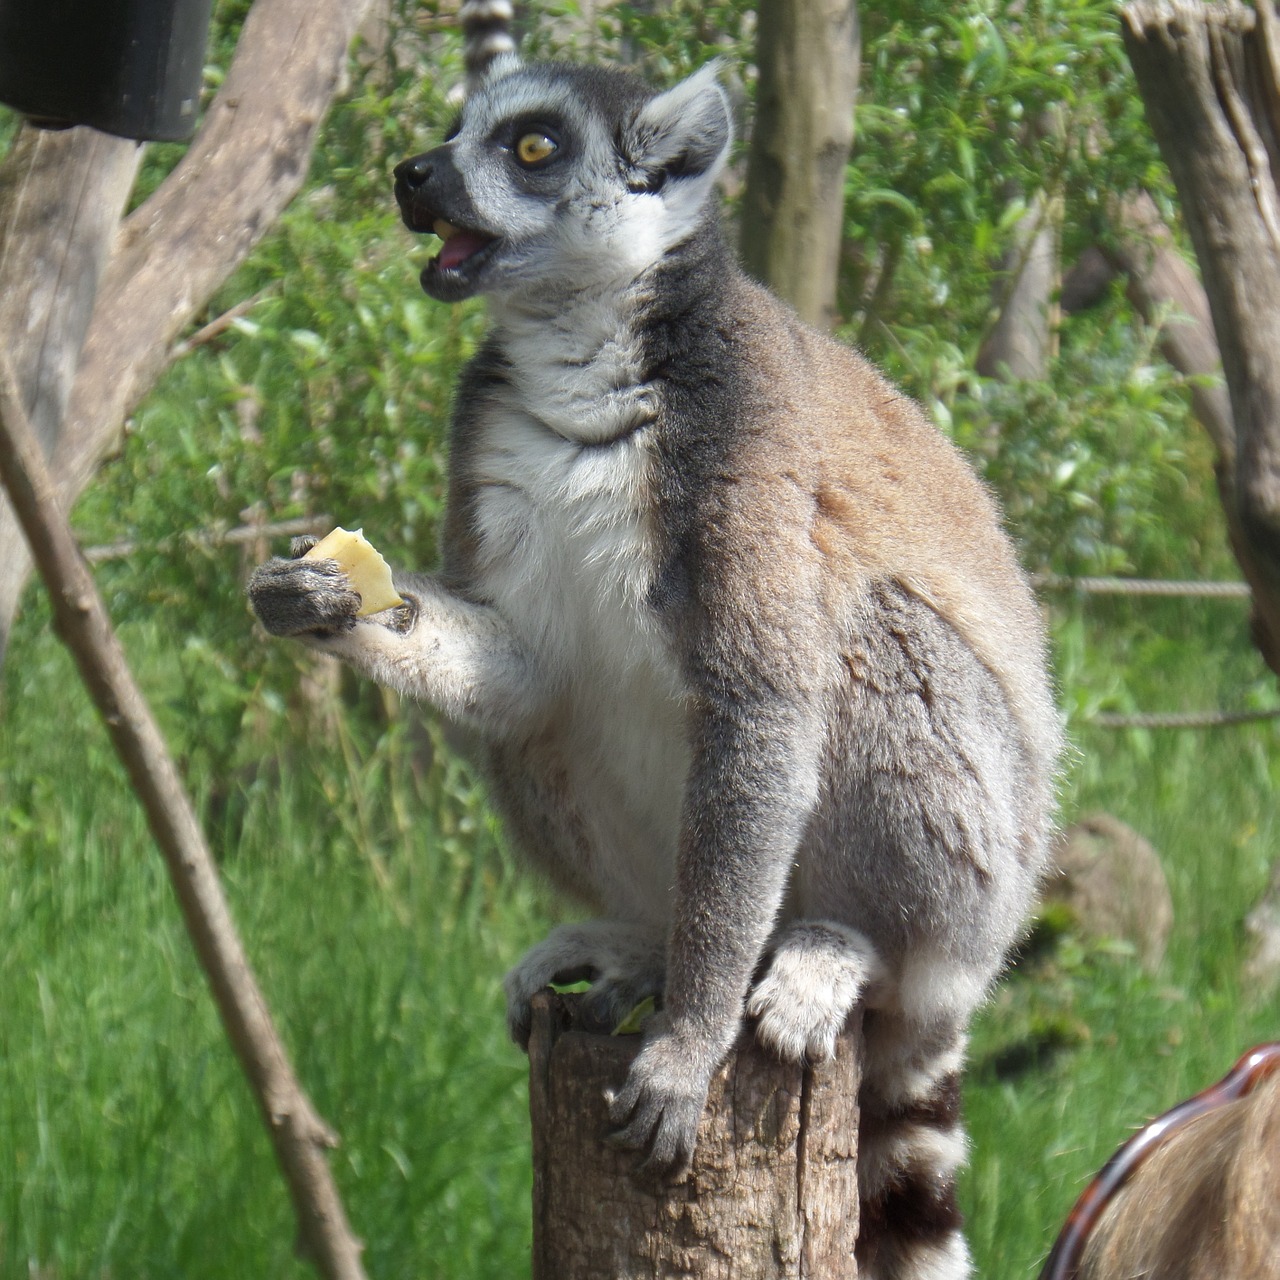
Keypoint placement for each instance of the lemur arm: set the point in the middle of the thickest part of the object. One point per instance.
(757, 743)
(459, 656)
(751, 789)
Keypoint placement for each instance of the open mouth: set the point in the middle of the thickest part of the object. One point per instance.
(454, 272)
(460, 245)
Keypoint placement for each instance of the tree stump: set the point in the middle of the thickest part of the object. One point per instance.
(772, 1194)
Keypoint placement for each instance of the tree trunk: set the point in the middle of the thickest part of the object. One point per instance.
(1166, 292)
(1208, 78)
(773, 1191)
(793, 206)
(61, 197)
(247, 162)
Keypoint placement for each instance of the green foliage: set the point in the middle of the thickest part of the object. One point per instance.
(364, 869)
(1100, 467)
(966, 111)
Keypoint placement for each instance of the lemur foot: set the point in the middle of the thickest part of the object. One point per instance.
(661, 1102)
(624, 964)
(816, 974)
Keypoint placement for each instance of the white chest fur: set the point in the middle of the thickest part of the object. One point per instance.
(564, 501)
(566, 549)
(567, 555)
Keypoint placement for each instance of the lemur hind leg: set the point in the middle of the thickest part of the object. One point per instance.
(816, 974)
(623, 962)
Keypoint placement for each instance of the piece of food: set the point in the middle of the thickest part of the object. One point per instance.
(366, 570)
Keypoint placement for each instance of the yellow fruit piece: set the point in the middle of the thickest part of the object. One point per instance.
(366, 570)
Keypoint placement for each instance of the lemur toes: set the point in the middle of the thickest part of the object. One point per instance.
(302, 597)
(623, 963)
(817, 973)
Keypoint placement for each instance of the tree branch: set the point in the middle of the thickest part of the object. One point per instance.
(299, 1135)
(247, 162)
(1167, 293)
(245, 165)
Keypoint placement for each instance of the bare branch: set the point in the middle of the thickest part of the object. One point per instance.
(237, 537)
(1207, 78)
(217, 326)
(297, 1132)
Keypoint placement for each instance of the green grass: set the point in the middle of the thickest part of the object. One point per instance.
(1206, 800)
(380, 910)
(381, 914)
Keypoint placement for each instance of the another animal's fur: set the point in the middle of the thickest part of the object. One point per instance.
(736, 634)
(1205, 1206)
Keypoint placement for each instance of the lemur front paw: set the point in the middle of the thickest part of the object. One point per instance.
(816, 974)
(661, 1102)
(303, 597)
(623, 963)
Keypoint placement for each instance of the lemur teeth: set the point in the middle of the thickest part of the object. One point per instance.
(444, 229)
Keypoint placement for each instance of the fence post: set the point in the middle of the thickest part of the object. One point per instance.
(772, 1194)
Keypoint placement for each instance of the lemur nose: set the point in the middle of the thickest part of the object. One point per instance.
(413, 172)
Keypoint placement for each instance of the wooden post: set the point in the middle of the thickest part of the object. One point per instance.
(772, 1194)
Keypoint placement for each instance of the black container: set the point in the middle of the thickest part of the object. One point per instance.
(129, 67)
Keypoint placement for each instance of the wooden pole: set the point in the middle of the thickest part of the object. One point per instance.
(772, 1194)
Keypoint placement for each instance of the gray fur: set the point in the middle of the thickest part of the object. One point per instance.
(735, 634)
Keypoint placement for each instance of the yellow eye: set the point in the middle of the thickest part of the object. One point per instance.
(534, 148)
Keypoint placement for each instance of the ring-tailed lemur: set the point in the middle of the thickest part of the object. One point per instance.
(486, 36)
(736, 633)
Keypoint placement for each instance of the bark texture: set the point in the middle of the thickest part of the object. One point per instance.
(1210, 80)
(300, 1137)
(61, 197)
(793, 206)
(248, 160)
(772, 1193)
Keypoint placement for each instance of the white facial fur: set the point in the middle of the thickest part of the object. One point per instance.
(589, 227)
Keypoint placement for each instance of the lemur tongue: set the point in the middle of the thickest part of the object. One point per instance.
(459, 247)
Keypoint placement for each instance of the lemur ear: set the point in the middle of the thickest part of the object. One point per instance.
(683, 133)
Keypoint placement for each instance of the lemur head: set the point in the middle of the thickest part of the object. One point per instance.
(557, 176)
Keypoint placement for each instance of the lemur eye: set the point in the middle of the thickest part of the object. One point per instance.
(534, 148)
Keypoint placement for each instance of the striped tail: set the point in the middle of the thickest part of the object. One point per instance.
(486, 35)
(911, 1144)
